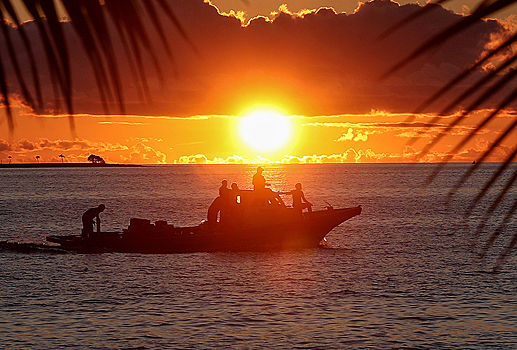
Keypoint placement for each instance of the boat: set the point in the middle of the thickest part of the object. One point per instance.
(243, 228)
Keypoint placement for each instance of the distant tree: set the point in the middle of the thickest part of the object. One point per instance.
(62, 157)
(37, 158)
(95, 159)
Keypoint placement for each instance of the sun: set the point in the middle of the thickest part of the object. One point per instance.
(265, 130)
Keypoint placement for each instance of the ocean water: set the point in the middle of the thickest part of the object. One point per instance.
(402, 275)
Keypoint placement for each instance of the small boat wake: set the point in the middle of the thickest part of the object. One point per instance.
(31, 248)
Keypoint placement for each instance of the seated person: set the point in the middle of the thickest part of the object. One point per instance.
(235, 194)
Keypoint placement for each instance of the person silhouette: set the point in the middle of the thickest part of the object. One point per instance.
(219, 206)
(88, 218)
(299, 200)
(261, 194)
(259, 182)
(235, 194)
(224, 192)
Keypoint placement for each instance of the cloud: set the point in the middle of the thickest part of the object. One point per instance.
(192, 159)
(408, 154)
(359, 131)
(63, 145)
(351, 136)
(25, 150)
(144, 139)
(361, 137)
(349, 156)
(141, 153)
(124, 123)
(313, 63)
(348, 136)
(233, 159)
(5, 146)
(26, 145)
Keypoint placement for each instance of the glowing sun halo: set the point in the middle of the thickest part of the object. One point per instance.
(265, 130)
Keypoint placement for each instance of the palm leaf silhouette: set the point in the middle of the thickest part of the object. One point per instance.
(90, 22)
(487, 87)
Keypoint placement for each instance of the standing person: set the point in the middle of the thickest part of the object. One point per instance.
(88, 218)
(219, 206)
(259, 182)
(299, 200)
(225, 196)
(260, 196)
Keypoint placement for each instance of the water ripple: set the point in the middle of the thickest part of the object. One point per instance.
(399, 277)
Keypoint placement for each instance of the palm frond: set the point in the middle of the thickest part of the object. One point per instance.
(488, 87)
(14, 60)
(408, 20)
(496, 87)
(91, 21)
(28, 49)
(495, 204)
(5, 96)
(485, 9)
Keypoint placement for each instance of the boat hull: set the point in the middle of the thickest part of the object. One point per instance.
(297, 232)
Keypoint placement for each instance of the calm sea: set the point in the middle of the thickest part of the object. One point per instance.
(402, 275)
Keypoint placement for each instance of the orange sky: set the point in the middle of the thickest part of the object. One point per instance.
(320, 69)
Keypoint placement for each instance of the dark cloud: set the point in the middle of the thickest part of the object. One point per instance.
(64, 145)
(79, 150)
(26, 145)
(5, 146)
(387, 125)
(321, 63)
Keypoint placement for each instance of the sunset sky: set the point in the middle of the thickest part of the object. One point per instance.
(312, 70)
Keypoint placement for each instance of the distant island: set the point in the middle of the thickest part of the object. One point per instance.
(66, 165)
